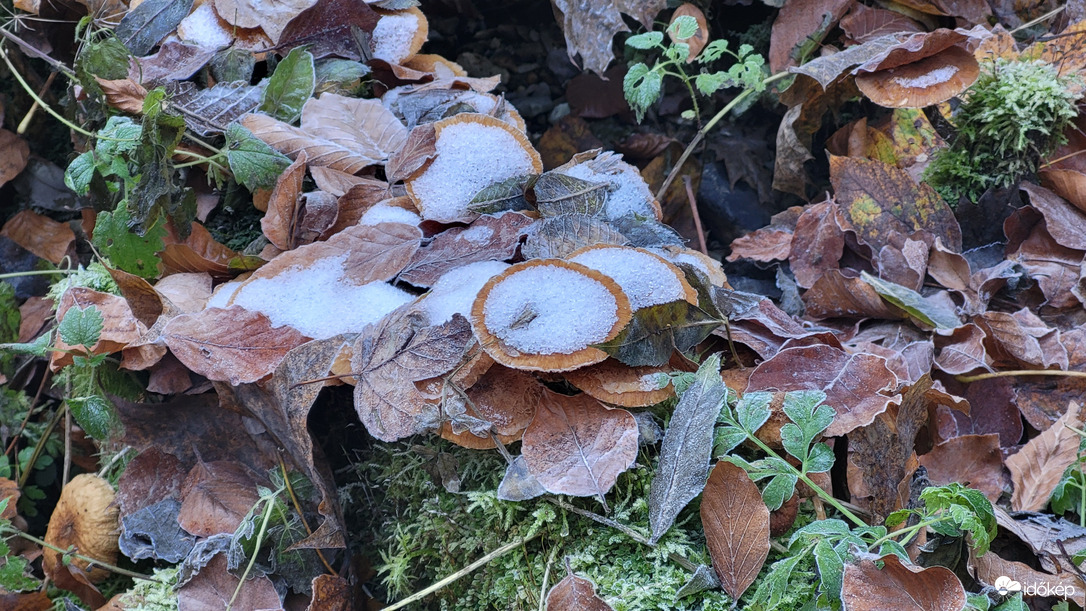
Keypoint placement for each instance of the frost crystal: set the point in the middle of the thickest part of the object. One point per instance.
(456, 290)
(384, 213)
(393, 36)
(930, 79)
(629, 193)
(547, 309)
(318, 300)
(645, 278)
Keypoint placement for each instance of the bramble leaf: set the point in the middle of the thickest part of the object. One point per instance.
(124, 248)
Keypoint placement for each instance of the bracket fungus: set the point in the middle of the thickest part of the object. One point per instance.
(546, 314)
(646, 278)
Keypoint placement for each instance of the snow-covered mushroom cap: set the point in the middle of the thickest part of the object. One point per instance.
(646, 278)
(399, 34)
(473, 152)
(545, 315)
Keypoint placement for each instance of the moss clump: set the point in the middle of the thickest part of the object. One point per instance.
(1013, 116)
(158, 595)
(420, 533)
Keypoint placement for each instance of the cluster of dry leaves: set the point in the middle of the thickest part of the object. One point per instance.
(419, 252)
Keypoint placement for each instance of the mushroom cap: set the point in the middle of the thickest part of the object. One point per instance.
(473, 151)
(390, 40)
(647, 278)
(545, 315)
(614, 383)
(928, 81)
(86, 518)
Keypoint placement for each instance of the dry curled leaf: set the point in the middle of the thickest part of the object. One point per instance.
(39, 234)
(899, 587)
(575, 593)
(1039, 465)
(736, 522)
(590, 25)
(85, 517)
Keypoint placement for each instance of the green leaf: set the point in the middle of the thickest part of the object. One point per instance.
(290, 86)
(128, 251)
(831, 569)
(820, 459)
(778, 490)
(81, 326)
(774, 587)
(709, 83)
(968, 509)
(96, 415)
(509, 194)
(753, 411)
(144, 26)
(713, 51)
(107, 58)
(658, 330)
(15, 574)
(929, 312)
(678, 52)
(647, 40)
(119, 136)
(154, 196)
(38, 347)
(80, 172)
(641, 87)
(254, 164)
(341, 76)
(726, 438)
(683, 27)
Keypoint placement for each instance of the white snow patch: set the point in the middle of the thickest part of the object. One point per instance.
(223, 294)
(929, 79)
(644, 278)
(392, 37)
(477, 235)
(547, 309)
(629, 193)
(318, 300)
(470, 157)
(384, 213)
(203, 28)
(455, 292)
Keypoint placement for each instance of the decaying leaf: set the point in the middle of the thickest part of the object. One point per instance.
(39, 234)
(575, 593)
(736, 522)
(896, 586)
(973, 460)
(488, 238)
(590, 25)
(1039, 465)
(578, 447)
(85, 518)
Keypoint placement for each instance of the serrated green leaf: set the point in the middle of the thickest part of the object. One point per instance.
(127, 250)
(831, 528)
(119, 136)
(774, 587)
(831, 569)
(709, 83)
(290, 86)
(96, 415)
(79, 173)
(646, 40)
(156, 194)
(683, 27)
(81, 326)
(15, 575)
(678, 51)
(642, 87)
(929, 312)
(778, 490)
(713, 51)
(820, 459)
(254, 164)
(656, 331)
(726, 438)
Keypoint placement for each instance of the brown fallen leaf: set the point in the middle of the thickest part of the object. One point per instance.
(796, 22)
(864, 23)
(272, 17)
(900, 587)
(27, 601)
(39, 234)
(329, 28)
(125, 95)
(990, 568)
(973, 460)
(9, 490)
(150, 477)
(931, 80)
(1039, 465)
(330, 593)
(119, 328)
(577, 446)
(700, 38)
(216, 497)
(232, 345)
(278, 222)
(200, 252)
(736, 522)
(1043, 400)
(14, 153)
(488, 238)
(214, 587)
(575, 593)
(86, 518)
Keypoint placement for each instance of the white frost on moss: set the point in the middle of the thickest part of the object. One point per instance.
(547, 309)
(629, 194)
(455, 292)
(384, 213)
(470, 157)
(644, 278)
(318, 300)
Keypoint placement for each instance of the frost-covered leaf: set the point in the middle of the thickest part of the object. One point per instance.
(575, 593)
(686, 450)
(736, 523)
(419, 148)
(489, 238)
(519, 484)
(646, 278)
(254, 164)
(656, 331)
(642, 87)
(210, 111)
(590, 25)
(929, 312)
(291, 141)
(144, 26)
(1036, 469)
(330, 27)
(80, 172)
(576, 446)
(153, 532)
(704, 578)
(557, 194)
(361, 125)
(560, 236)
(81, 326)
(272, 16)
(509, 194)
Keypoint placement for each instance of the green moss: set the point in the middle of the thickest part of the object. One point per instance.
(95, 277)
(1013, 116)
(156, 595)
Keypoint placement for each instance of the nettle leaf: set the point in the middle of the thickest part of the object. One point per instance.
(95, 414)
(15, 573)
(125, 249)
(80, 172)
(254, 164)
(686, 449)
(152, 196)
(290, 86)
(658, 330)
(144, 26)
(710, 82)
(925, 310)
(969, 509)
(641, 87)
(713, 51)
(683, 27)
(648, 40)
(38, 347)
(81, 326)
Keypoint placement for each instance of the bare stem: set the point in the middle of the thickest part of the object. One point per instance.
(1021, 372)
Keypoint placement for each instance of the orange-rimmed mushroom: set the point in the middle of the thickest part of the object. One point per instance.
(86, 519)
(473, 151)
(616, 384)
(399, 34)
(931, 80)
(647, 278)
(545, 315)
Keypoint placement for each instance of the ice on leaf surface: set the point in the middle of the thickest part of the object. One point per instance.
(385, 213)
(645, 278)
(456, 290)
(399, 35)
(629, 194)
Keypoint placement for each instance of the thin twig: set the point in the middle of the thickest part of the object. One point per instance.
(25, 123)
(1047, 15)
(690, 197)
(498, 553)
(35, 52)
(1021, 372)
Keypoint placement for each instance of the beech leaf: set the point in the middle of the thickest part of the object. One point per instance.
(736, 522)
(687, 448)
(896, 586)
(575, 594)
(1039, 465)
